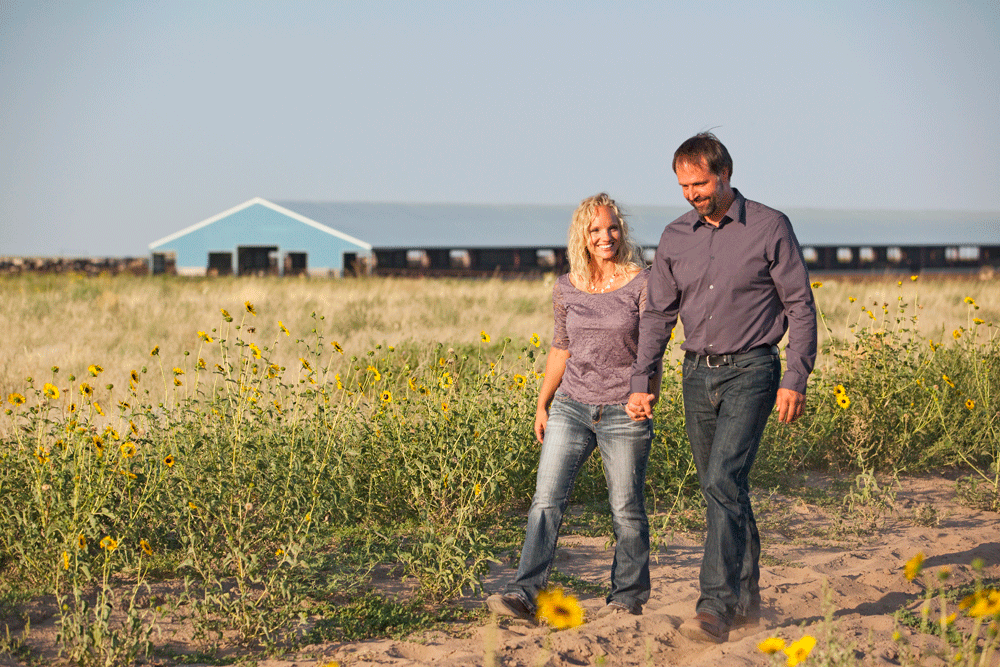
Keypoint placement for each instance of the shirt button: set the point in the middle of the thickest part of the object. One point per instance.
(711, 287)
(710, 316)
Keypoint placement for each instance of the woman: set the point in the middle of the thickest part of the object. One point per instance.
(581, 406)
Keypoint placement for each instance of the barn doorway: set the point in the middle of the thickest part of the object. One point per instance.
(257, 260)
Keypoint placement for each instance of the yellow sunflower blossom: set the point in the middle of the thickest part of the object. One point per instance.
(914, 566)
(155, 351)
(838, 390)
(192, 505)
(145, 548)
(913, 278)
(412, 384)
(337, 347)
(970, 404)
(843, 401)
(386, 396)
(168, 460)
(51, 391)
(81, 541)
(444, 406)
(442, 361)
(969, 300)
(956, 334)
(178, 371)
(535, 340)
(305, 364)
(16, 399)
(128, 450)
(65, 559)
(109, 543)
(816, 285)
(976, 320)
(204, 336)
(477, 489)
(484, 337)
(771, 645)
(250, 308)
(799, 650)
(520, 381)
(86, 389)
(284, 329)
(42, 454)
(255, 350)
(134, 376)
(445, 380)
(94, 370)
(225, 315)
(948, 380)
(98, 408)
(340, 383)
(559, 610)
(178, 382)
(201, 365)
(852, 299)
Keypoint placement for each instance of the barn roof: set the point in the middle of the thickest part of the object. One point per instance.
(399, 225)
(422, 225)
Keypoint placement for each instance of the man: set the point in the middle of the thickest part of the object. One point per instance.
(733, 271)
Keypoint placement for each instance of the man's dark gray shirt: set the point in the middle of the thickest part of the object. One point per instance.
(736, 287)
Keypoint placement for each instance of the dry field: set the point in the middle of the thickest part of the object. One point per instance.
(72, 322)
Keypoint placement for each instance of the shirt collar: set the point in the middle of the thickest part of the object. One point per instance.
(736, 212)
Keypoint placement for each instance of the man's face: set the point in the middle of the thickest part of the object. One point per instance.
(705, 191)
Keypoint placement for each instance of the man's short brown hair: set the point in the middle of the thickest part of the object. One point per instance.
(705, 146)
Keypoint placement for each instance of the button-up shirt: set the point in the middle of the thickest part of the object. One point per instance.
(737, 286)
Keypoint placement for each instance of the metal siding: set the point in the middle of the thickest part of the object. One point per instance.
(259, 225)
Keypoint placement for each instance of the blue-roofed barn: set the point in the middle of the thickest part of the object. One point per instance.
(258, 237)
(331, 238)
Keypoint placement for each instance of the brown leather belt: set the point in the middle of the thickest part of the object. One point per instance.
(717, 360)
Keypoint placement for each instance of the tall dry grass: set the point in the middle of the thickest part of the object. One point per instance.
(74, 321)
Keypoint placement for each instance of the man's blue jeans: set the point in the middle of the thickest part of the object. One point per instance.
(725, 411)
(574, 430)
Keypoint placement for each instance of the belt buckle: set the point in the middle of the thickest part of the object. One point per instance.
(720, 357)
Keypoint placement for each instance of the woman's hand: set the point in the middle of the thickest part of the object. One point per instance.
(541, 421)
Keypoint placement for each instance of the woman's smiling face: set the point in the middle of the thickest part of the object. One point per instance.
(603, 235)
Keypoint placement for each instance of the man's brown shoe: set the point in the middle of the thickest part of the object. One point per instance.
(705, 627)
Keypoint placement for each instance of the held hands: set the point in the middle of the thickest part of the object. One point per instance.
(791, 405)
(640, 406)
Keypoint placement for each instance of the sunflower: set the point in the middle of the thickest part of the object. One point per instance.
(386, 396)
(204, 336)
(816, 285)
(169, 460)
(250, 308)
(799, 650)
(843, 401)
(970, 404)
(914, 566)
(225, 315)
(81, 541)
(337, 347)
(771, 645)
(145, 548)
(128, 450)
(16, 399)
(255, 350)
(484, 337)
(109, 543)
(535, 340)
(283, 328)
(559, 610)
(50, 391)
(94, 370)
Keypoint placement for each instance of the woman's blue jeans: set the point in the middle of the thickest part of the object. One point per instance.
(574, 430)
(725, 411)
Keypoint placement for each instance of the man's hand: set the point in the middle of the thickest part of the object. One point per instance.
(640, 406)
(790, 404)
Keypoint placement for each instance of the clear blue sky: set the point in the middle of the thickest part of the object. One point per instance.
(123, 122)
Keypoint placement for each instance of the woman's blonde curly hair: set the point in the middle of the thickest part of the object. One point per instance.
(628, 256)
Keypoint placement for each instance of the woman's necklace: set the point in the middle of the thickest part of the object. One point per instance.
(595, 285)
